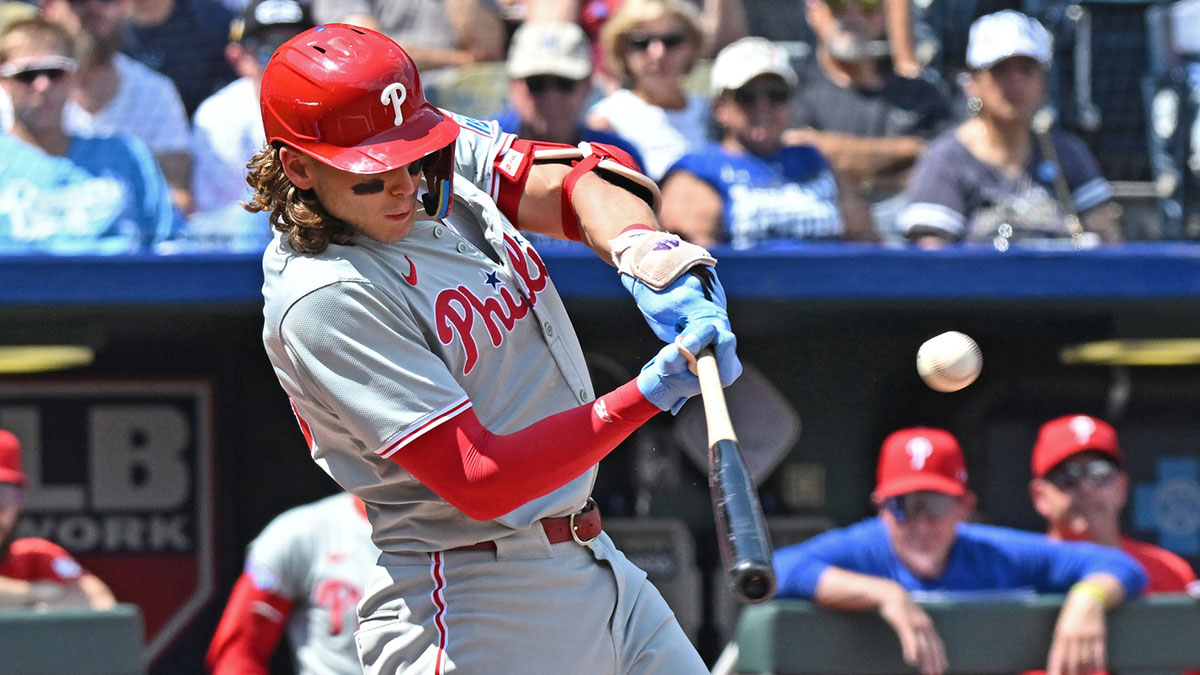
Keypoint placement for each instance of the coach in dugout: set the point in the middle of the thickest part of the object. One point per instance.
(920, 542)
(34, 572)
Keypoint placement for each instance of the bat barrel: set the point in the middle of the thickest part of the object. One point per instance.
(742, 539)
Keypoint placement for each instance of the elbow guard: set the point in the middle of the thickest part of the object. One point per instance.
(512, 167)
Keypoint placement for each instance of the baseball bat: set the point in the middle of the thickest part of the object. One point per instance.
(742, 534)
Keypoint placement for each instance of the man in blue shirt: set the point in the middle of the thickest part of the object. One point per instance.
(60, 193)
(920, 542)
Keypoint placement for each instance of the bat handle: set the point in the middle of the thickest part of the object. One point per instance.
(704, 364)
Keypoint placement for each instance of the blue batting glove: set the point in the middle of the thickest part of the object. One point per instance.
(696, 297)
(666, 381)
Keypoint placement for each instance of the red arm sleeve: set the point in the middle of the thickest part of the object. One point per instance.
(485, 475)
(249, 631)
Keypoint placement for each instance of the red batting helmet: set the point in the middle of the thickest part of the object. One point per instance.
(351, 98)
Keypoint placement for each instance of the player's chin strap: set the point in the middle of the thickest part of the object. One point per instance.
(615, 165)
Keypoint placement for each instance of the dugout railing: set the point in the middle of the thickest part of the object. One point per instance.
(1156, 634)
(72, 641)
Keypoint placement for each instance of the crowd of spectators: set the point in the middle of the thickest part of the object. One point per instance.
(859, 140)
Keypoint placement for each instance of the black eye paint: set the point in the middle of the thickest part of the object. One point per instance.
(368, 187)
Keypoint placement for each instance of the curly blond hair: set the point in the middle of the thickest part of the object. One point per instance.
(296, 213)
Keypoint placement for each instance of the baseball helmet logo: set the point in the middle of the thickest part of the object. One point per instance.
(394, 94)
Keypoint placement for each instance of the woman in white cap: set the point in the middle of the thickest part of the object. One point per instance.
(749, 188)
(1003, 175)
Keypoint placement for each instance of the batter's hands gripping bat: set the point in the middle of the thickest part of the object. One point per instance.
(741, 528)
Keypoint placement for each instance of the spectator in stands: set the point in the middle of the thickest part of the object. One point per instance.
(37, 573)
(440, 35)
(304, 572)
(920, 542)
(549, 68)
(58, 192)
(748, 188)
(227, 128)
(1080, 487)
(184, 40)
(870, 123)
(724, 21)
(995, 177)
(114, 94)
(651, 45)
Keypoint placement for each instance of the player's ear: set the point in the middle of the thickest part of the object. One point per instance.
(296, 168)
(966, 503)
(1037, 488)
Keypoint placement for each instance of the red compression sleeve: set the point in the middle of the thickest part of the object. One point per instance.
(249, 630)
(485, 475)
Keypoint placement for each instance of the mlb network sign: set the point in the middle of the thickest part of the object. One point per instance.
(119, 476)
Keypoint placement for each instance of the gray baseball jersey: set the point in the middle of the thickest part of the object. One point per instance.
(318, 555)
(377, 343)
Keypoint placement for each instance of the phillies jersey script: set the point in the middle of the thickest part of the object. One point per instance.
(376, 344)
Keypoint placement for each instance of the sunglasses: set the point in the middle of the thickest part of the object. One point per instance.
(538, 84)
(907, 507)
(867, 6)
(425, 162)
(1099, 472)
(55, 68)
(775, 95)
(642, 42)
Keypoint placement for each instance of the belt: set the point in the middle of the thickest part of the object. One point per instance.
(582, 527)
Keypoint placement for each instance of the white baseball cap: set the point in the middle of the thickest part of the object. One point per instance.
(1006, 34)
(549, 48)
(747, 58)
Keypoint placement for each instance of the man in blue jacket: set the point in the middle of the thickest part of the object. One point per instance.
(920, 542)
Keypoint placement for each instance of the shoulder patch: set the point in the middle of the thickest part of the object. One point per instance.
(487, 129)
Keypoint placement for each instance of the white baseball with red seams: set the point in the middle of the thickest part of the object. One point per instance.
(949, 362)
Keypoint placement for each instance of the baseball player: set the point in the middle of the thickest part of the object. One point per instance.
(35, 572)
(1080, 485)
(304, 571)
(435, 373)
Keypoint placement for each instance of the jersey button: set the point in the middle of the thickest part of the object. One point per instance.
(549, 328)
(583, 396)
(462, 247)
(437, 232)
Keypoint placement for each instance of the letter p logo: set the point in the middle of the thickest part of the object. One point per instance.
(393, 95)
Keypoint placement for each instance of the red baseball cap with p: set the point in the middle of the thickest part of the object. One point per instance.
(10, 459)
(1063, 437)
(920, 458)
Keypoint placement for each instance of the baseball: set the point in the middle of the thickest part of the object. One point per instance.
(949, 362)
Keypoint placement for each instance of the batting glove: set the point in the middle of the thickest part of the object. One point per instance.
(666, 381)
(696, 297)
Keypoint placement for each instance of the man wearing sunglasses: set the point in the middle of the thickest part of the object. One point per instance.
(60, 193)
(550, 68)
(921, 542)
(1080, 487)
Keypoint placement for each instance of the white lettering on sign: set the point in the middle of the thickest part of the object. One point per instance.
(137, 456)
